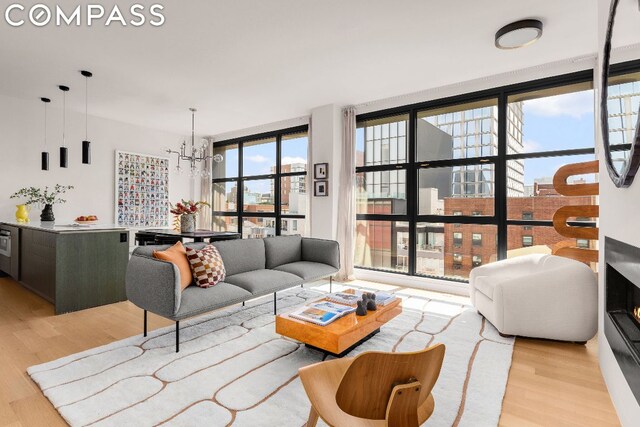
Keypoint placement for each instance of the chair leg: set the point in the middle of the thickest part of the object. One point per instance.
(330, 284)
(178, 336)
(145, 323)
(313, 418)
(274, 304)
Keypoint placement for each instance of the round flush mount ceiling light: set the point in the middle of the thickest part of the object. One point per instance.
(518, 34)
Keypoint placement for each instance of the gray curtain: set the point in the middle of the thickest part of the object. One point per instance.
(346, 195)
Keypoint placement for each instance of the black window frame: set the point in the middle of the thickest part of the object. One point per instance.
(500, 160)
(240, 180)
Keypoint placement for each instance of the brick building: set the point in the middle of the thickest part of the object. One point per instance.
(467, 246)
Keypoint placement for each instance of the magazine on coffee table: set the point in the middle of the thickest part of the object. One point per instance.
(321, 313)
(351, 299)
(315, 315)
(344, 298)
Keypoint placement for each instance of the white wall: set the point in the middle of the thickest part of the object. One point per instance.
(326, 143)
(21, 142)
(618, 213)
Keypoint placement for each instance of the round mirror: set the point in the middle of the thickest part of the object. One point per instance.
(622, 139)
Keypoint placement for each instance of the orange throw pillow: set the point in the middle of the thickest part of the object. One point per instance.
(177, 255)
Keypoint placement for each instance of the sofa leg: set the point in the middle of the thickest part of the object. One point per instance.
(243, 303)
(177, 336)
(145, 323)
(505, 335)
(274, 304)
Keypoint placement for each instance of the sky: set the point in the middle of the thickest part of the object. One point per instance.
(552, 123)
(260, 158)
(559, 122)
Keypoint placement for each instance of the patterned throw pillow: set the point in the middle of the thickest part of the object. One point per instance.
(206, 265)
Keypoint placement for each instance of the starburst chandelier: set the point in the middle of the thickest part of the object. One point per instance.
(196, 155)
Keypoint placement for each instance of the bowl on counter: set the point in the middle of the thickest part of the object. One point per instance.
(86, 220)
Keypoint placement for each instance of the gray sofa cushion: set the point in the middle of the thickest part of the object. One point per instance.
(282, 250)
(322, 251)
(197, 300)
(261, 282)
(241, 255)
(308, 270)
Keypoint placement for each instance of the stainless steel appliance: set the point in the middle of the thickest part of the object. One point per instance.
(5, 251)
(5, 243)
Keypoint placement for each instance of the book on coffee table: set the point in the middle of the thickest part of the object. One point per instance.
(352, 299)
(315, 315)
(322, 313)
(345, 298)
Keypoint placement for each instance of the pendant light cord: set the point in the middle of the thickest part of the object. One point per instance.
(86, 108)
(64, 117)
(46, 147)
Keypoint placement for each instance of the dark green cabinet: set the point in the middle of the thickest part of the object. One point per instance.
(74, 270)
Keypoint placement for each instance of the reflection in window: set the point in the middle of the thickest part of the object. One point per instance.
(382, 141)
(382, 192)
(446, 190)
(382, 245)
(225, 223)
(228, 168)
(623, 104)
(225, 196)
(458, 132)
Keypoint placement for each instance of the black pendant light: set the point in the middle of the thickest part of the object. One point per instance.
(44, 158)
(64, 152)
(86, 144)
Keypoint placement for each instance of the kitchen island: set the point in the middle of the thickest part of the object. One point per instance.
(72, 266)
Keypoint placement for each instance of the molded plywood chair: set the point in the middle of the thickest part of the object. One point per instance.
(374, 389)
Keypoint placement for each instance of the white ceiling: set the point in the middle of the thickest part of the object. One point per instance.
(244, 63)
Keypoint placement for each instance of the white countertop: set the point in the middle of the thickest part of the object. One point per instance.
(64, 227)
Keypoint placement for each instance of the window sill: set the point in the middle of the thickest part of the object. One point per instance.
(403, 280)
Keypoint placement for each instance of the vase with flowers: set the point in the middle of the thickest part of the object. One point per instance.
(187, 210)
(47, 197)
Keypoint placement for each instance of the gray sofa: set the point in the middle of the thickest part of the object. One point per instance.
(254, 268)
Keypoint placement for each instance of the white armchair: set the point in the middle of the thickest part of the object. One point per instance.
(538, 296)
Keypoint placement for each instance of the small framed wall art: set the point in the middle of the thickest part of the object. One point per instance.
(321, 171)
(321, 188)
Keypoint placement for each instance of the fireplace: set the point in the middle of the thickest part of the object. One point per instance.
(622, 303)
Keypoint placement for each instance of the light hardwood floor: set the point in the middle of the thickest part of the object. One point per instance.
(550, 383)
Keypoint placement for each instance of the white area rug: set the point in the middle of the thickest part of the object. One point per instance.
(233, 369)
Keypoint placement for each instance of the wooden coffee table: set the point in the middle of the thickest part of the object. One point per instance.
(341, 336)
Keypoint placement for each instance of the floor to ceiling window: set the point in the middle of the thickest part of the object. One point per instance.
(260, 188)
(448, 185)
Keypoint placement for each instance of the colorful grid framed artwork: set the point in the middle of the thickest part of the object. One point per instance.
(142, 190)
